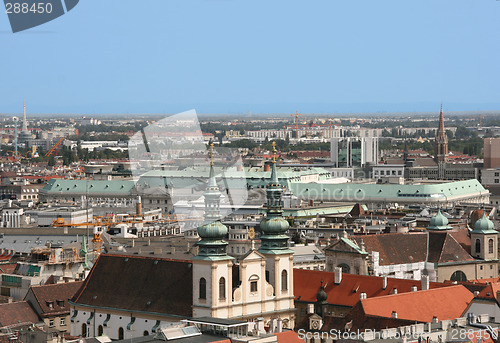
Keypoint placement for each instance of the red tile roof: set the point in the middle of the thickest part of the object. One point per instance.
(57, 295)
(17, 313)
(8, 268)
(443, 303)
(307, 283)
(137, 278)
(490, 291)
(288, 337)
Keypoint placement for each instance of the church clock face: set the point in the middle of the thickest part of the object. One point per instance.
(315, 325)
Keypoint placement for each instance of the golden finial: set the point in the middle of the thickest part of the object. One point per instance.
(211, 153)
(274, 151)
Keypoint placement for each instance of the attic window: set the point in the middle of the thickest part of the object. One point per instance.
(60, 303)
(50, 304)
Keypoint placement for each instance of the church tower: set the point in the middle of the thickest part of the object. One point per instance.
(441, 146)
(25, 136)
(212, 267)
(274, 243)
(484, 239)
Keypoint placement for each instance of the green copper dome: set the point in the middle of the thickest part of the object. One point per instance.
(274, 226)
(439, 222)
(484, 225)
(213, 230)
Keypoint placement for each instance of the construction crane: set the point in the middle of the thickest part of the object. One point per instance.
(296, 115)
(16, 154)
(55, 148)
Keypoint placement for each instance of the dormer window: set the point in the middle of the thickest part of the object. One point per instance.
(60, 303)
(50, 304)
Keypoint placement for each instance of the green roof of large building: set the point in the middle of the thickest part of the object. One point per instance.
(90, 187)
(390, 193)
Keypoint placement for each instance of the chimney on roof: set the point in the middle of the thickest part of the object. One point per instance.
(414, 288)
(394, 291)
(394, 314)
(425, 282)
(362, 296)
(384, 282)
(138, 206)
(338, 275)
(271, 325)
(310, 308)
(435, 320)
(279, 326)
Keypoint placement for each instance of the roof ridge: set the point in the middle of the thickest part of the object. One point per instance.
(145, 257)
(419, 292)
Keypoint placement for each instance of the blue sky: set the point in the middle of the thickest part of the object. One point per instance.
(235, 56)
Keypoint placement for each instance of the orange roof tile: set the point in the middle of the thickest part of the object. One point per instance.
(288, 337)
(443, 303)
(490, 291)
(307, 283)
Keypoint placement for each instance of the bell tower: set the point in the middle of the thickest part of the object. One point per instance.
(484, 239)
(274, 243)
(212, 267)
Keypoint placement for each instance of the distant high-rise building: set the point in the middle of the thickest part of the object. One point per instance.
(491, 153)
(354, 151)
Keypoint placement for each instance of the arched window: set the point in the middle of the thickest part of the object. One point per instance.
(100, 330)
(120, 333)
(284, 280)
(145, 333)
(478, 246)
(458, 276)
(84, 330)
(222, 288)
(203, 288)
(490, 246)
(345, 268)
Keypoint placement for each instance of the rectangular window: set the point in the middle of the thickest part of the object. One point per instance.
(253, 286)
(51, 323)
(496, 180)
(63, 321)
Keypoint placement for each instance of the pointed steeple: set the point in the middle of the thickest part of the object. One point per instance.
(274, 239)
(441, 144)
(84, 253)
(212, 244)
(441, 119)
